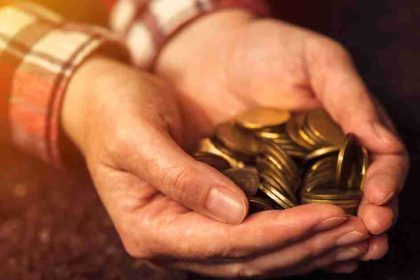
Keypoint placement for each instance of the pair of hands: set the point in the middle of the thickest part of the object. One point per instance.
(130, 126)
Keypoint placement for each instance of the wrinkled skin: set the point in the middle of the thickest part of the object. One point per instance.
(130, 127)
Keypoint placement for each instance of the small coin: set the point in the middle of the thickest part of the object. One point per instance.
(327, 161)
(320, 153)
(257, 204)
(237, 140)
(246, 178)
(213, 160)
(293, 127)
(275, 195)
(351, 164)
(324, 127)
(268, 152)
(274, 151)
(280, 184)
(206, 145)
(330, 192)
(263, 118)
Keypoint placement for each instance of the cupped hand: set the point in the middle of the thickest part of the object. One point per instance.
(231, 61)
(170, 209)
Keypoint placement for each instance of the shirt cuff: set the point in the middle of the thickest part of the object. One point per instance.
(154, 22)
(39, 53)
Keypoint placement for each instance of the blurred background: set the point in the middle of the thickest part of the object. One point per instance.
(53, 226)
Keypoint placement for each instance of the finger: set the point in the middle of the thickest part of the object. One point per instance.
(317, 252)
(155, 158)
(244, 270)
(344, 268)
(345, 255)
(378, 219)
(378, 247)
(341, 90)
(346, 235)
(385, 178)
(262, 232)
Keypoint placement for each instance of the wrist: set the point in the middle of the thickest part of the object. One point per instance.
(207, 39)
(86, 96)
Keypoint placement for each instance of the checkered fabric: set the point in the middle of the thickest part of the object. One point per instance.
(39, 53)
(146, 26)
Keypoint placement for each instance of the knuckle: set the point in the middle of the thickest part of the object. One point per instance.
(315, 248)
(119, 142)
(236, 253)
(329, 51)
(135, 250)
(234, 249)
(182, 184)
(336, 49)
(246, 270)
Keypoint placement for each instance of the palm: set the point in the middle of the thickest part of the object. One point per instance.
(271, 63)
(261, 70)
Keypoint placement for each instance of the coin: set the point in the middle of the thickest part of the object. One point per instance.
(237, 140)
(280, 184)
(246, 178)
(276, 152)
(293, 127)
(213, 160)
(263, 118)
(206, 145)
(275, 195)
(257, 204)
(351, 164)
(322, 152)
(280, 159)
(324, 127)
(264, 165)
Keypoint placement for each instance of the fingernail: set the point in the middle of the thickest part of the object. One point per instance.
(351, 238)
(347, 254)
(330, 223)
(226, 205)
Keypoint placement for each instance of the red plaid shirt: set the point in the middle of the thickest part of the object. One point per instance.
(39, 53)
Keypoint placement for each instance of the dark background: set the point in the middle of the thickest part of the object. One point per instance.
(53, 226)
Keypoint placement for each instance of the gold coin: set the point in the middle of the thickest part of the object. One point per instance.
(213, 160)
(365, 166)
(263, 118)
(324, 127)
(317, 142)
(312, 142)
(237, 140)
(341, 203)
(257, 204)
(293, 127)
(246, 178)
(268, 135)
(351, 164)
(276, 196)
(265, 164)
(206, 145)
(331, 192)
(276, 152)
(322, 152)
(280, 184)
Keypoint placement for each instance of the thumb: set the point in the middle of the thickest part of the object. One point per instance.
(341, 90)
(163, 164)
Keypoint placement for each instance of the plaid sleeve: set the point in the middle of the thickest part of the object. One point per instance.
(39, 52)
(153, 22)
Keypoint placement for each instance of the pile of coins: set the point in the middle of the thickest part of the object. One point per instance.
(281, 160)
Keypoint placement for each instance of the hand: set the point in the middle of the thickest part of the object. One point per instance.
(230, 61)
(127, 126)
